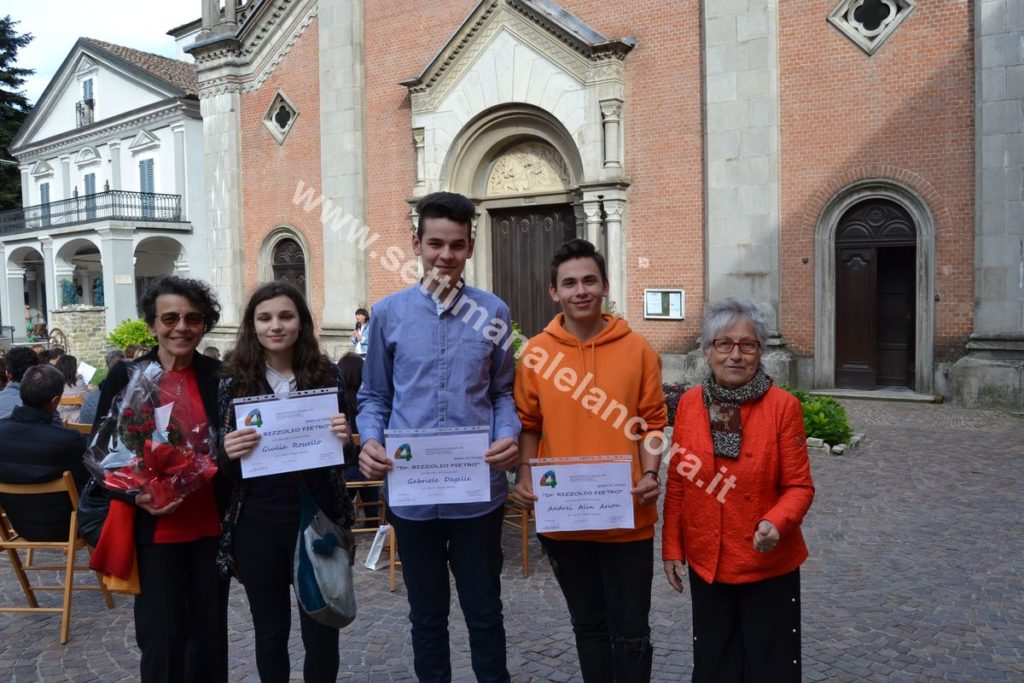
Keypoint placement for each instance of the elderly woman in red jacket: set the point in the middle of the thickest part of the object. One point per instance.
(739, 484)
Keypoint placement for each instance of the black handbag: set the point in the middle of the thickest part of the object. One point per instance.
(93, 506)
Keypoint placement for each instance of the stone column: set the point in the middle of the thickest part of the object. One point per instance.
(115, 164)
(12, 296)
(49, 278)
(616, 253)
(117, 253)
(593, 224)
(25, 197)
(180, 186)
(421, 172)
(992, 373)
(342, 154)
(62, 270)
(65, 179)
(741, 85)
(611, 113)
(222, 166)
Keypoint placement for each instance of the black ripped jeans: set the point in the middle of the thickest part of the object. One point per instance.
(607, 587)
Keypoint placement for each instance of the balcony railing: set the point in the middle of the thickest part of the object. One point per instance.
(84, 112)
(111, 205)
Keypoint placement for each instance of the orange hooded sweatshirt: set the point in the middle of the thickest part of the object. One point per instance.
(587, 398)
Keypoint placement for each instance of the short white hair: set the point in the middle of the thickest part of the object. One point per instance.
(724, 313)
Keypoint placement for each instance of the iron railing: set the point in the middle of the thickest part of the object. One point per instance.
(84, 112)
(122, 205)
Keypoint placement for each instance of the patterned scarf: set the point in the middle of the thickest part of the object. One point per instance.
(723, 407)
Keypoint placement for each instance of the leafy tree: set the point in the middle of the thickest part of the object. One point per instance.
(14, 108)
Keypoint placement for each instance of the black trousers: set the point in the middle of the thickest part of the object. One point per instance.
(607, 588)
(264, 552)
(181, 615)
(747, 632)
(472, 548)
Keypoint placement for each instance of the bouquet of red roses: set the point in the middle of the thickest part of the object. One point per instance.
(152, 442)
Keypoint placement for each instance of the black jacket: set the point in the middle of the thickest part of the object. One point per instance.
(35, 451)
(207, 371)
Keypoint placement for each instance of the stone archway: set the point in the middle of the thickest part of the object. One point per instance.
(156, 257)
(285, 256)
(78, 267)
(25, 290)
(825, 276)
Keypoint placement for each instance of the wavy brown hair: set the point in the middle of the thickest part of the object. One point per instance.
(247, 364)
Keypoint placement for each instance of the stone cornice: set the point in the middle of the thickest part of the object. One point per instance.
(241, 63)
(589, 63)
(99, 133)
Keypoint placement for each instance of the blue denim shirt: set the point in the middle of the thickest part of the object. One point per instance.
(430, 367)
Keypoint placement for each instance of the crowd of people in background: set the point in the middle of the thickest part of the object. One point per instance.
(419, 364)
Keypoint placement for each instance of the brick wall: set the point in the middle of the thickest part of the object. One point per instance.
(905, 114)
(271, 171)
(663, 139)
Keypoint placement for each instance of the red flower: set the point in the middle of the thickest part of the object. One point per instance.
(146, 410)
(128, 412)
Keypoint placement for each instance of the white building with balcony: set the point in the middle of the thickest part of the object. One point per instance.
(111, 165)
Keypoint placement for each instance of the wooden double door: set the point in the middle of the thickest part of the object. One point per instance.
(522, 243)
(876, 265)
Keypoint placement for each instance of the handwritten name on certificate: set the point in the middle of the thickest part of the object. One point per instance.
(295, 432)
(438, 466)
(585, 494)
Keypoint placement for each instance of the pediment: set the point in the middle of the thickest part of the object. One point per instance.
(41, 169)
(143, 140)
(86, 156)
(86, 66)
(540, 25)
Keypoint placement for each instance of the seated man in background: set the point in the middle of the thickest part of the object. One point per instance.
(36, 451)
(18, 361)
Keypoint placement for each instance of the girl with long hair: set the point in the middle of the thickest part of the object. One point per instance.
(73, 387)
(277, 353)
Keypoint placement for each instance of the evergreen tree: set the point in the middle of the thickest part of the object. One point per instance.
(14, 108)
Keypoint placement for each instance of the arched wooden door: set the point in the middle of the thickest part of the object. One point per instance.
(876, 255)
(289, 263)
(522, 243)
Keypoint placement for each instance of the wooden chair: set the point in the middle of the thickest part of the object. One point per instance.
(10, 542)
(355, 489)
(520, 519)
(72, 401)
(80, 427)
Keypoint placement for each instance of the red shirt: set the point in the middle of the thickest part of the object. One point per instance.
(197, 515)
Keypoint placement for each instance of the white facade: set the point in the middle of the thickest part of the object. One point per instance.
(113, 187)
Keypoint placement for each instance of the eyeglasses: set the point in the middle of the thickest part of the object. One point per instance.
(747, 346)
(191, 319)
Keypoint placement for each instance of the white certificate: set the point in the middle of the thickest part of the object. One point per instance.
(584, 494)
(438, 466)
(295, 432)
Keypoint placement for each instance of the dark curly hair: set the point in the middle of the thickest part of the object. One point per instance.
(247, 364)
(196, 291)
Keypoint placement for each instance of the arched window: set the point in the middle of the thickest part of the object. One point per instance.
(289, 263)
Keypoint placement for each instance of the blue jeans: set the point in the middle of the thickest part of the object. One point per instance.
(472, 547)
(607, 588)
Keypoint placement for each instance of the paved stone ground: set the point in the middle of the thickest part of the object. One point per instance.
(915, 575)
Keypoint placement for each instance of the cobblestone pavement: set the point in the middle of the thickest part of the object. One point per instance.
(915, 574)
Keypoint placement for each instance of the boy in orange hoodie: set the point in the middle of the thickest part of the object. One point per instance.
(589, 386)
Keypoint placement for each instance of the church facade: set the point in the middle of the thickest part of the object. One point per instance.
(855, 167)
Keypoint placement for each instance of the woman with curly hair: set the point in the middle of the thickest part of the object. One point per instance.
(181, 612)
(277, 352)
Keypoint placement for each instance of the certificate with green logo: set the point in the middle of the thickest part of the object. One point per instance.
(295, 432)
(583, 494)
(438, 466)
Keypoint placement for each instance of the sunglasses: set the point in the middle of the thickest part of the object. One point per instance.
(191, 319)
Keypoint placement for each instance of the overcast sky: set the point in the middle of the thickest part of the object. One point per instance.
(57, 24)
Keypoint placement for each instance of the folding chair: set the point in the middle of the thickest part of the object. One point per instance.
(12, 543)
(72, 401)
(520, 519)
(80, 427)
(355, 489)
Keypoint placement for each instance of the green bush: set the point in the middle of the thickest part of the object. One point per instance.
(131, 332)
(99, 376)
(824, 417)
(517, 340)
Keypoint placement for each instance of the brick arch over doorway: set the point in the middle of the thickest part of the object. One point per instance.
(825, 276)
